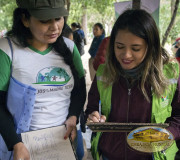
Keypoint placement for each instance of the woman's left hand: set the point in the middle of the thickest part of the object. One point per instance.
(71, 127)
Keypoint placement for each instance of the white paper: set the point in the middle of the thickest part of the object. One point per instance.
(48, 144)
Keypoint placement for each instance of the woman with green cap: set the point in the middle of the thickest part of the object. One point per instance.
(42, 80)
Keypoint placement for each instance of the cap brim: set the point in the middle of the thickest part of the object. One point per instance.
(48, 13)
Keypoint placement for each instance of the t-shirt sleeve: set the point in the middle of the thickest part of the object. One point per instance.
(77, 62)
(5, 70)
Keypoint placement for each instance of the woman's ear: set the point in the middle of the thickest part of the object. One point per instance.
(25, 21)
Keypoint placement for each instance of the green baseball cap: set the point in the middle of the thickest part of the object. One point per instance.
(44, 9)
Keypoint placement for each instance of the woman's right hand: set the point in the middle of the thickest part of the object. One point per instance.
(20, 152)
(95, 117)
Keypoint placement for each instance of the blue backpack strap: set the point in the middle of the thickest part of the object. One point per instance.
(10, 45)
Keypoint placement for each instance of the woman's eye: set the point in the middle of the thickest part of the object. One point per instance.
(58, 19)
(44, 21)
(49, 20)
(136, 50)
(120, 47)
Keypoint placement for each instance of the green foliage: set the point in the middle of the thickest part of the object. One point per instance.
(76, 11)
(97, 11)
(165, 17)
(6, 13)
(175, 31)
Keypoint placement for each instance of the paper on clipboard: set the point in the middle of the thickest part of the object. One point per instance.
(48, 144)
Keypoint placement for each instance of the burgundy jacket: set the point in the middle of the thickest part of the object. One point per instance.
(114, 145)
(178, 58)
(101, 53)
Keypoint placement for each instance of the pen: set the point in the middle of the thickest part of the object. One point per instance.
(99, 110)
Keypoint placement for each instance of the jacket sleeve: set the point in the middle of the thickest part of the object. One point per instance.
(7, 128)
(93, 99)
(174, 120)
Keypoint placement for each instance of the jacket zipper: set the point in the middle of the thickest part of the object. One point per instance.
(129, 93)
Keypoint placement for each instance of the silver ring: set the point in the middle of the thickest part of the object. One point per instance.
(20, 159)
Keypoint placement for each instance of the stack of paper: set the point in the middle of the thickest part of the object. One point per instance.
(48, 144)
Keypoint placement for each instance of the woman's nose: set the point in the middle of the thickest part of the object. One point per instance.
(53, 25)
(127, 53)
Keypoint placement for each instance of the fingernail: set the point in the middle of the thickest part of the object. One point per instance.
(102, 120)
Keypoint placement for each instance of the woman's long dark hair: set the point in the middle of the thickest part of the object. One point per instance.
(22, 34)
(141, 24)
(19, 31)
(61, 48)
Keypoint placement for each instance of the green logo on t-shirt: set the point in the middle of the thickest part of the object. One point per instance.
(53, 76)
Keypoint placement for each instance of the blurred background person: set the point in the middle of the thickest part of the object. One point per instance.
(67, 32)
(99, 34)
(78, 37)
(176, 49)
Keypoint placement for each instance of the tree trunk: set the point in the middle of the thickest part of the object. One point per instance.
(172, 6)
(136, 4)
(171, 23)
(68, 4)
(84, 21)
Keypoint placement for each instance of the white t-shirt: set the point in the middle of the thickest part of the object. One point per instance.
(50, 76)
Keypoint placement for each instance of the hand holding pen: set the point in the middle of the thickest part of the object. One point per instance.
(96, 116)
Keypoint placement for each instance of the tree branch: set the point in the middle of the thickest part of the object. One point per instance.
(136, 4)
(171, 23)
